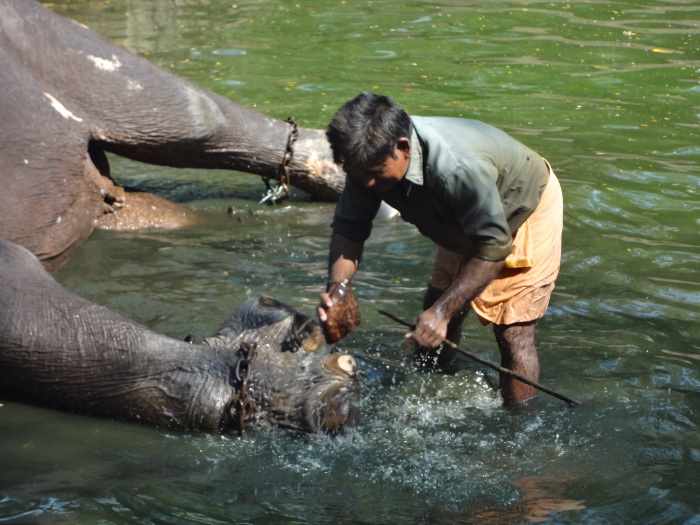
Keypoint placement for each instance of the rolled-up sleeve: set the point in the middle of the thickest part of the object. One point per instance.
(355, 211)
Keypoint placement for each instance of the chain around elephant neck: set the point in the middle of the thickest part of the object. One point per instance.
(240, 406)
(281, 191)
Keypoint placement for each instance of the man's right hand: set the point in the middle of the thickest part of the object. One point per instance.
(325, 304)
(343, 258)
(338, 311)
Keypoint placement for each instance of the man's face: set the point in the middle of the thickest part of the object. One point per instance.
(389, 173)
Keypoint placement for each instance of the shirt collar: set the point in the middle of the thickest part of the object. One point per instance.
(415, 166)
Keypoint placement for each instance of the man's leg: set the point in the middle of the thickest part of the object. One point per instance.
(519, 354)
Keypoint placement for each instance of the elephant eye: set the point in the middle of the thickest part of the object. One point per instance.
(268, 302)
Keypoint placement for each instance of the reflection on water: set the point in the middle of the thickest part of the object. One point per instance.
(608, 93)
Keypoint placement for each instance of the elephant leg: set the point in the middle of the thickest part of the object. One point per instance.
(134, 210)
(69, 96)
(142, 210)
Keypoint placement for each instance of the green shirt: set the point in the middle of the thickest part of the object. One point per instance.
(468, 187)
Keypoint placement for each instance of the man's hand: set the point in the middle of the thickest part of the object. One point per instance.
(343, 258)
(431, 325)
(341, 312)
(323, 307)
(430, 331)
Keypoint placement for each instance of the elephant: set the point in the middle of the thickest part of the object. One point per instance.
(68, 97)
(268, 366)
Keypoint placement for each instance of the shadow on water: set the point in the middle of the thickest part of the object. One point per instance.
(608, 93)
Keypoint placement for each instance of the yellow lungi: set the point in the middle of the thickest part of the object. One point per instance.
(522, 290)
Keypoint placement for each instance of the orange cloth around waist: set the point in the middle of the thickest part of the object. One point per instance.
(522, 290)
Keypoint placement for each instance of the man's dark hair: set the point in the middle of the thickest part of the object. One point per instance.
(364, 132)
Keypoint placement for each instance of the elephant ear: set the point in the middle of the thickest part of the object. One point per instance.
(261, 314)
(253, 314)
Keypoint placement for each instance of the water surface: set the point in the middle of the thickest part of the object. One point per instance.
(610, 94)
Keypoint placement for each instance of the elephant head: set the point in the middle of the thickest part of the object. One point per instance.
(61, 350)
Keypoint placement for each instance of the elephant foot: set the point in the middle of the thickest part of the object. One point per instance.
(115, 197)
(141, 211)
(312, 168)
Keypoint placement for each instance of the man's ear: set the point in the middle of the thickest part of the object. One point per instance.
(404, 144)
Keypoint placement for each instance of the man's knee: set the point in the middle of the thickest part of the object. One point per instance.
(515, 336)
(516, 343)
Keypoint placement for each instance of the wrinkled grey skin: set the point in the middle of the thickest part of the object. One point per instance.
(62, 351)
(67, 96)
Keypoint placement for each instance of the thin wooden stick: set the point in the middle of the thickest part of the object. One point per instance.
(488, 363)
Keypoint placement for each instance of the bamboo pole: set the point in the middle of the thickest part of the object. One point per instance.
(488, 363)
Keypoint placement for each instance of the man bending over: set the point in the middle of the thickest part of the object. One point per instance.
(493, 207)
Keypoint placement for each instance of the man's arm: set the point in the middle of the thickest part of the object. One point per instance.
(343, 259)
(431, 325)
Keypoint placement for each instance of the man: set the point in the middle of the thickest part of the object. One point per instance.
(492, 205)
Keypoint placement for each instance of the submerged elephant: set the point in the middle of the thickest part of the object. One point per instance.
(267, 366)
(67, 96)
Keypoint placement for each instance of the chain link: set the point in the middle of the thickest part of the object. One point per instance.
(281, 191)
(240, 406)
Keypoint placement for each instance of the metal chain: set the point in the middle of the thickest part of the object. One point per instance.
(281, 190)
(240, 406)
(298, 332)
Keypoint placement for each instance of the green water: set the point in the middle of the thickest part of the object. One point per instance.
(610, 94)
